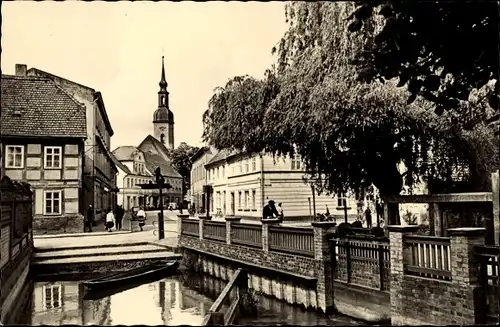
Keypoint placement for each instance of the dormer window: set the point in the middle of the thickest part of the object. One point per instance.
(162, 138)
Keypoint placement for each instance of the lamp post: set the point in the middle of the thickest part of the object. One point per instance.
(160, 183)
(160, 180)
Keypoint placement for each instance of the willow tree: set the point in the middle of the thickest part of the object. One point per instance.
(441, 50)
(350, 134)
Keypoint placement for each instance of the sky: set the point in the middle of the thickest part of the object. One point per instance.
(116, 48)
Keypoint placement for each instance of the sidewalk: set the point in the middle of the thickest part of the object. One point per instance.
(103, 238)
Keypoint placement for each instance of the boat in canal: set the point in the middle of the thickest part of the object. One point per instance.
(132, 277)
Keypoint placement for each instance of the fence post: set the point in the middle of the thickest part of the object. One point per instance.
(229, 222)
(464, 270)
(381, 265)
(200, 228)
(323, 266)
(179, 225)
(397, 254)
(265, 232)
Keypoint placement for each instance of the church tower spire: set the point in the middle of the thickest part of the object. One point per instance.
(163, 93)
(163, 118)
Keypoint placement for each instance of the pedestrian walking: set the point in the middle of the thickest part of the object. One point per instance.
(141, 217)
(110, 219)
(368, 217)
(119, 217)
(269, 210)
(90, 218)
(279, 209)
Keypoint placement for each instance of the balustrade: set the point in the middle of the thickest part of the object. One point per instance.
(246, 234)
(214, 230)
(362, 261)
(428, 256)
(190, 227)
(292, 240)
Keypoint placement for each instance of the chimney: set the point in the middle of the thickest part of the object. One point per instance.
(21, 70)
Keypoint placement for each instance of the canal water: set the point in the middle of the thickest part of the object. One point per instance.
(178, 300)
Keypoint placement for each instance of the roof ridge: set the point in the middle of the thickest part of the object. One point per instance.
(35, 78)
(53, 75)
(68, 94)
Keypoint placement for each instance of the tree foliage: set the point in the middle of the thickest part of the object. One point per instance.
(181, 161)
(443, 51)
(349, 134)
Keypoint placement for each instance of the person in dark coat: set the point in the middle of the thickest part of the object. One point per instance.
(269, 210)
(90, 217)
(119, 213)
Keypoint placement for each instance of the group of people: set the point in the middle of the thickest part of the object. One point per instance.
(271, 211)
(111, 218)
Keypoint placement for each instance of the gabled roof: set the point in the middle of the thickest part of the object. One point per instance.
(34, 106)
(222, 155)
(158, 146)
(154, 160)
(125, 152)
(97, 95)
(201, 151)
(119, 164)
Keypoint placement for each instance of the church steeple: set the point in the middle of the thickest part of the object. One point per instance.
(163, 117)
(163, 93)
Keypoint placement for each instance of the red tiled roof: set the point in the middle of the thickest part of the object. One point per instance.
(33, 106)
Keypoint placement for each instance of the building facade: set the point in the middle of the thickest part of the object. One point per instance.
(43, 129)
(199, 176)
(99, 179)
(243, 183)
(136, 168)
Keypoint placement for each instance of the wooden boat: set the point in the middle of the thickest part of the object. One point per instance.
(135, 275)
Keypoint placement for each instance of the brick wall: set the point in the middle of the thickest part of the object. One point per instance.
(287, 262)
(417, 300)
(55, 225)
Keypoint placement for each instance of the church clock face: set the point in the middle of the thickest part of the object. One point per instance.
(162, 128)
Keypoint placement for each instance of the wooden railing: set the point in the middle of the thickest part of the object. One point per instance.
(214, 230)
(428, 257)
(190, 227)
(364, 262)
(292, 240)
(487, 257)
(231, 296)
(246, 234)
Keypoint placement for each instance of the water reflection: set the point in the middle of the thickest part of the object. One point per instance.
(164, 302)
(178, 300)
